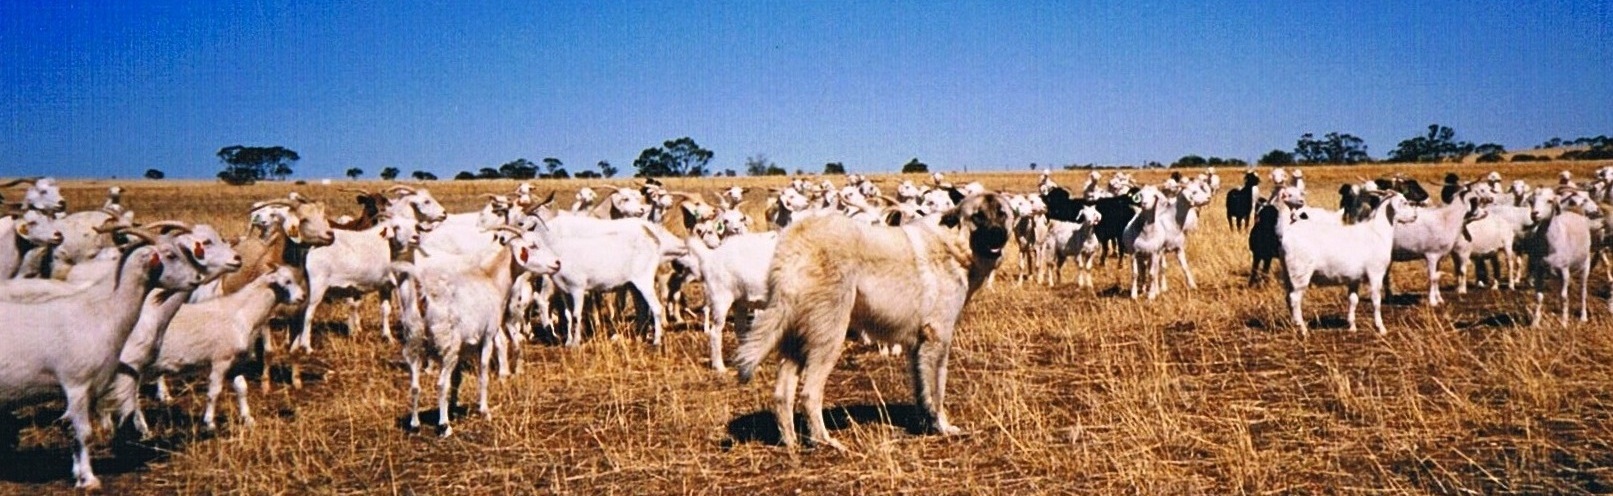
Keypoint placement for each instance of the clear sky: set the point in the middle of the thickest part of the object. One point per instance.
(97, 89)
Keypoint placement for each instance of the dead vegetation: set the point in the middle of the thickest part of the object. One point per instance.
(1061, 390)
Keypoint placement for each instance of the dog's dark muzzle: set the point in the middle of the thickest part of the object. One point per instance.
(988, 242)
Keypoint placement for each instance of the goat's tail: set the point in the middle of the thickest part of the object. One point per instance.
(764, 336)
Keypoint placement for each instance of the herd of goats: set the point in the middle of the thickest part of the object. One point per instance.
(92, 305)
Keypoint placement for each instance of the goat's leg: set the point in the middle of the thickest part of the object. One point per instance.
(413, 356)
(1460, 263)
(78, 414)
(215, 385)
(1434, 299)
(1187, 271)
(716, 318)
(1584, 289)
(1354, 298)
(1375, 292)
(445, 388)
(1296, 298)
(238, 384)
(482, 379)
(355, 326)
(646, 290)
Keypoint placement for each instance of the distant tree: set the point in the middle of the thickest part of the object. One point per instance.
(1191, 161)
(1334, 148)
(1153, 164)
(464, 176)
(1552, 143)
(390, 173)
(679, 157)
(354, 172)
(758, 165)
(1277, 158)
(154, 174)
(554, 169)
(516, 169)
(1438, 145)
(728, 172)
(489, 173)
(914, 166)
(250, 164)
(605, 169)
(588, 174)
(421, 175)
(839, 168)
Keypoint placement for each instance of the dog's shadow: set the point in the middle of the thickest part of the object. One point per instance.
(760, 427)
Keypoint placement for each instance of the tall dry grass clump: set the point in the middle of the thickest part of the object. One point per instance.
(1062, 390)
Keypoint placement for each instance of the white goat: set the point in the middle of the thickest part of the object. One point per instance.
(1077, 239)
(453, 305)
(215, 258)
(1334, 252)
(358, 261)
(1157, 229)
(219, 334)
(24, 240)
(1561, 247)
(734, 269)
(1433, 235)
(70, 345)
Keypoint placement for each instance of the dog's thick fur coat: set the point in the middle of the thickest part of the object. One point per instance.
(902, 285)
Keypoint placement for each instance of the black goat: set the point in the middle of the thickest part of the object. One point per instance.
(1117, 211)
(1263, 242)
(1241, 202)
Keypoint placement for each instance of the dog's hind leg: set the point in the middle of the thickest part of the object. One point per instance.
(822, 336)
(789, 376)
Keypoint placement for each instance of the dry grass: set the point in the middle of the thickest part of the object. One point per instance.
(1062, 390)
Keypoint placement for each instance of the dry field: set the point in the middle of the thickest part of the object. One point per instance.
(1061, 391)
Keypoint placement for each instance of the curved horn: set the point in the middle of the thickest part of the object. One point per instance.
(275, 202)
(166, 226)
(21, 180)
(143, 234)
(355, 190)
(399, 187)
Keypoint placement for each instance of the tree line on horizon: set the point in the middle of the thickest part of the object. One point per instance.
(683, 157)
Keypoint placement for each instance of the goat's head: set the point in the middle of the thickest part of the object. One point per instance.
(419, 202)
(42, 194)
(202, 244)
(400, 231)
(38, 228)
(287, 283)
(1089, 215)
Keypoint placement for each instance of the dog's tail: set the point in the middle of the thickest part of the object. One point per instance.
(763, 338)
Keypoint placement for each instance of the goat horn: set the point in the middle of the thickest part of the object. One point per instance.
(355, 190)
(165, 226)
(399, 187)
(21, 180)
(138, 233)
(275, 202)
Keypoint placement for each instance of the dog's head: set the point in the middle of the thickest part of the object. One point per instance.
(986, 218)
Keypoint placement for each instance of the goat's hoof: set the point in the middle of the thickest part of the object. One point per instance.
(444, 431)
(89, 484)
(248, 422)
(209, 427)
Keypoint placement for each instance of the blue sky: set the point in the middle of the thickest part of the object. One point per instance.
(97, 89)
